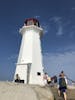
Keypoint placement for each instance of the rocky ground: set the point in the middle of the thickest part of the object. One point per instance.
(19, 91)
(70, 94)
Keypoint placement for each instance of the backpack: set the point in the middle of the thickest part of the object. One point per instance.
(62, 82)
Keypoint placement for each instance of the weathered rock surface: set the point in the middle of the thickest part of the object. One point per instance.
(70, 94)
(19, 91)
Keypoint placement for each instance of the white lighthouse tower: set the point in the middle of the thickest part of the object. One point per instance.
(29, 65)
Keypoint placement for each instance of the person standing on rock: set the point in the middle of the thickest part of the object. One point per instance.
(45, 78)
(48, 80)
(62, 86)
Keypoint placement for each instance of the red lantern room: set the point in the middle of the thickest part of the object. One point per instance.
(31, 21)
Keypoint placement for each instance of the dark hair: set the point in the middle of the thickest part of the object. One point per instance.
(45, 73)
(62, 71)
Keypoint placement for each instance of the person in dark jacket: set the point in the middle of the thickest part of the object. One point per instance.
(62, 86)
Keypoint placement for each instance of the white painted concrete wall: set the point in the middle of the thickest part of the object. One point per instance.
(30, 52)
(36, 60)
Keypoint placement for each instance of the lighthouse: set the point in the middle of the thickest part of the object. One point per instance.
(29, 66)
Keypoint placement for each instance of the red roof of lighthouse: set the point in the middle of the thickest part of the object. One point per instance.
(31, 21)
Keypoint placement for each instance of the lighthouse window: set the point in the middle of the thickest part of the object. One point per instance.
(38, 73)
(30, 23)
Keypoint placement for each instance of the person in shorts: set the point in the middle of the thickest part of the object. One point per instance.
(62, 86)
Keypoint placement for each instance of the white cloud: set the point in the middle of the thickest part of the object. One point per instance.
(58, 22)
(54, 63)
(68, 48)
(45, 27)
(37, 16)
(60, 30)
(56, 19)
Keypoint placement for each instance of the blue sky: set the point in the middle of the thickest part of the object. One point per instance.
(57, 18)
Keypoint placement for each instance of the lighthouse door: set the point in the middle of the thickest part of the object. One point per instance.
(28, 72)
